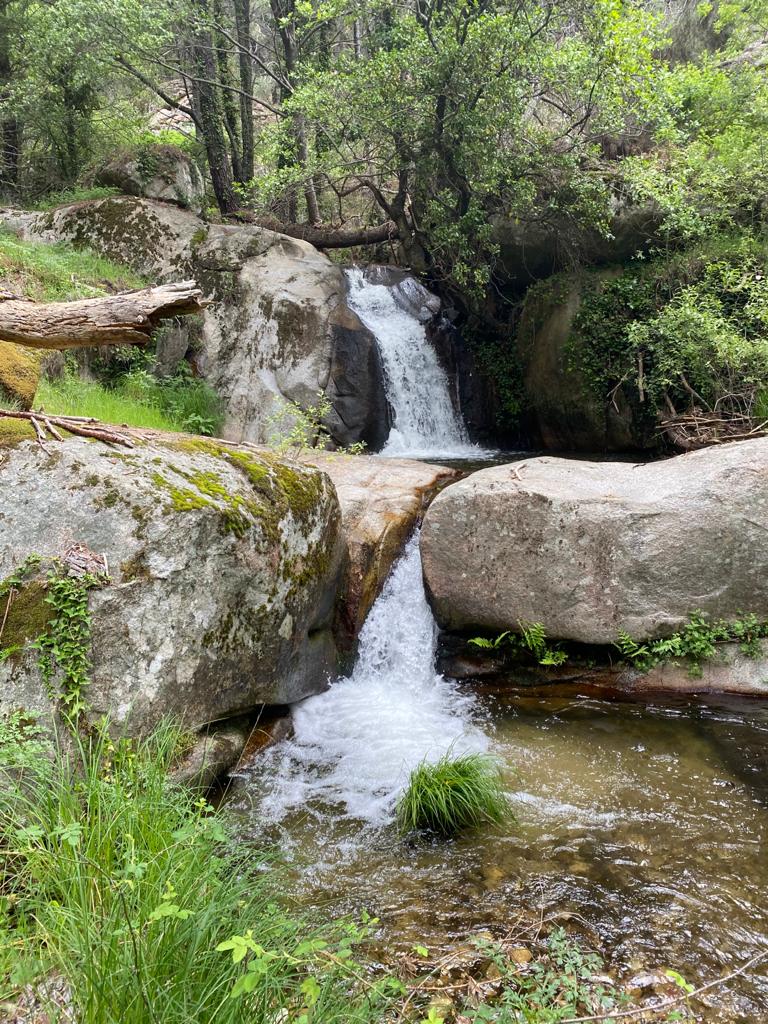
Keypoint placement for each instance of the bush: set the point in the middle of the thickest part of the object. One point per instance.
(453, 795)
(127, 890)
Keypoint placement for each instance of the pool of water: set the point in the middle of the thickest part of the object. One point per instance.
(646, 824)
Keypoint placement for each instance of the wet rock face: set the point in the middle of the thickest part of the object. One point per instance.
(589, 549)
(278, 329)
(381, 501)
(224, 566)
(562, 410)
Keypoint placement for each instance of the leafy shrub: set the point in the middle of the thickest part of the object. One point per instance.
(455, 794)
(684, 330)
(696, 642)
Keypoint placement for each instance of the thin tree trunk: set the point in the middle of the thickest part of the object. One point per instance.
(208, 104)
(243, 29)
(126, 319)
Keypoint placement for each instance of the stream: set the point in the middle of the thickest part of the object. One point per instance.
(642, 825)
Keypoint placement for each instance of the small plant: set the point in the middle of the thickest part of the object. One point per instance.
(531, 640)
(64, 647)
(561, 985)
(304, 429)
(455, 794)
(696, 642)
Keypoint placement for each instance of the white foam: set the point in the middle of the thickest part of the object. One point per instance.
(355, 745)
(426, 424)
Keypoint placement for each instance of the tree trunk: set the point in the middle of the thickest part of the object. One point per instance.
(208, 104)
(325, 236)
(126, 319)
(10, 130)
(243, 29)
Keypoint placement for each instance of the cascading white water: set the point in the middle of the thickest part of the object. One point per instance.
(355, 745)
(426, 424)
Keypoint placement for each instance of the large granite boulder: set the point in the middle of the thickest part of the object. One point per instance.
(224, 565)
(382, 500)
(592, 548)
(155, 171)
(278, 329)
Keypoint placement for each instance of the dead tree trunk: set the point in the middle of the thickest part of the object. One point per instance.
(126, 319)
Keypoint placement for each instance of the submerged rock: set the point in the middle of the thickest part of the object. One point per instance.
(224, 565)
(381, 502)
(589, 549)
(278, 329)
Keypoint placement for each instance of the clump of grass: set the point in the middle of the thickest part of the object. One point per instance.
(455, 794)
(127, 891)
(58, 272)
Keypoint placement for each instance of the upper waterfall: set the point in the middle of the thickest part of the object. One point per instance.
(425, 422)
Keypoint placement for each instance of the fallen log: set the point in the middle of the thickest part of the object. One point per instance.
(125, 319)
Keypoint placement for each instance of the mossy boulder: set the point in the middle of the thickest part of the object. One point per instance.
(224, 565)
(563, 410)
(155, 171)
(19, 375)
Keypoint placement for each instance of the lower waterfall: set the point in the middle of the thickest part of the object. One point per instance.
(355, 745)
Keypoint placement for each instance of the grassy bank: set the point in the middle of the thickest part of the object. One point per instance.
(137, 399)
(124, 895)
(58, 272)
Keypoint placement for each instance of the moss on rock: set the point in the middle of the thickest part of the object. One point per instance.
(25, 615)
(19, 374)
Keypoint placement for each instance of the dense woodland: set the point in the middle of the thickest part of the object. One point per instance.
(483, 144)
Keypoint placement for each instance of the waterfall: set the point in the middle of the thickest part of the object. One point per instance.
(354, 746)
(426, 424)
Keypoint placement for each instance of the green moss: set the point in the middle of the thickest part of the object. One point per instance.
(14, 431)
(19, 374)
(26, 616)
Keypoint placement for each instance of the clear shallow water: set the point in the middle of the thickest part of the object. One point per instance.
(426, 424)
(648, 824)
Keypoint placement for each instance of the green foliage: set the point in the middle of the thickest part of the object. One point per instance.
(689, 327)
(129, 889)
(452, 795)
(695, 643)
(60, 272)
(66, 196)
(562, 985)
(65, 646)
(304, 428)
(139, 399)
(531, 640)
(22, 741)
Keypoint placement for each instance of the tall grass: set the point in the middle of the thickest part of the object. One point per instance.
(127, 887)
(455, 794)
(58, 272)
(137, 399)
(72, 396)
